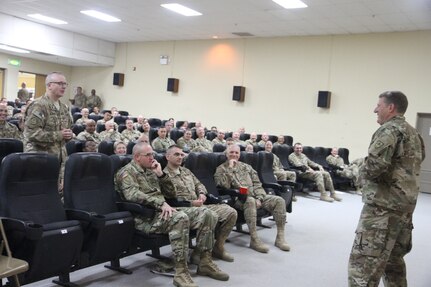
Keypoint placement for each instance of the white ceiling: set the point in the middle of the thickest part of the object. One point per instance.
(145, 20)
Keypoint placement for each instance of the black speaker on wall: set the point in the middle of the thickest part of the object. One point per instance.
(173, 85)
(238, 93)
(118, 79)
(324, 99)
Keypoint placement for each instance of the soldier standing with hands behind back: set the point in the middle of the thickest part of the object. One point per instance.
(391, 173)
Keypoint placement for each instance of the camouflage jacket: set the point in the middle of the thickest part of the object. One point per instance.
(160, 144)
(186, 145)
(130, 135)
(203, 145)
(187, 185)
(94, 101)
(218, 141)
(242, 175)
(80, 101)
(335, 161)
(110, 136)
(86, 136)
(391, 169)
(8, 130)
(276, 164)
(301, 160)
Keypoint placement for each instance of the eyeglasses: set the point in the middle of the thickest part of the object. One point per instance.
(64, 84)
(150, 154)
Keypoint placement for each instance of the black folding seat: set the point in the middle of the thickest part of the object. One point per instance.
(320, 154)
(100, 128)
(106, 147)
(257, 148)
(75, 110)
(95, 117)
(8, 146)
(288, 140)
(120, 119)
(244, 136)
(76, 116)
(309, 152)
(179, 124)
(219, 148)
(124, 113)
(211, 135)
(228, 135)
(154, 122)
(15, 111)
(121, 128)
(344, 153)
(272, 138)
(38, 227)
(191, 125)
(175, 134)
(74, 146)
(90, 196)
(76, 129)
(153, 134)
(130, 146)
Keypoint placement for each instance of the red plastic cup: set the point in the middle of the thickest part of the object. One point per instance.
(243, 190)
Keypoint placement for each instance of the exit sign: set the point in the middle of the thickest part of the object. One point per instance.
(14, 62)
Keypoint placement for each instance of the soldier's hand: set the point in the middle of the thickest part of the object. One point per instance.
(67, 134)
(156, 168)
(232, 163)
(258, 204)
(197, 203)
(167, 211)
(202, 197)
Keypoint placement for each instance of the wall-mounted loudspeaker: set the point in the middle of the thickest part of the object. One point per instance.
(118, 79)
(238, 93)
(173, 85)
(324, 99)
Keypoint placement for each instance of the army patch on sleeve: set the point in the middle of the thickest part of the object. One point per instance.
(378, 144)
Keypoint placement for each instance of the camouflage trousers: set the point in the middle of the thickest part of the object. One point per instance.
(285, 175)
(383, 238)
(178, 228)
(271, 203)
(350, 172)
(322, 179)
(226, 218)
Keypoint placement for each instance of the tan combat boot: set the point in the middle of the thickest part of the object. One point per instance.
(280, 241)
(182, 276)
(208, 268)
(325, 197)
(218, 249)
(255, 242)
(195, 257)
(335, 196)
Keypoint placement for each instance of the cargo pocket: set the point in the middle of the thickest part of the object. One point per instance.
(371, 236)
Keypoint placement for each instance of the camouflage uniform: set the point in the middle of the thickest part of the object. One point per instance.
(103, 122)
(94, 101)
(43, 125)
(81, 121)
(186, 145)
(161, 145)
(86, 136)
(279, 171)
(143, 186)
(250, 141)
(130, 135)
(203, 145)
(384, 232)
(110, 136)
(189, 187)
(321, 178)
(218, 141)
(350, 171)
(80, 101)
(243, 175)
(8, 130)
(23, 95)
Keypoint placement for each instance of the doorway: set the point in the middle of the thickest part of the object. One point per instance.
(424, 128)
(35, 83)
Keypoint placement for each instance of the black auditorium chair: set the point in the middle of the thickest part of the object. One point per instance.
(341, 183)
(320, 154)
(106, 147)
(179, 124)
(244, 136)
(309, 152)
(76, 129)
(191, 125)
(74, 146)
(175, 134)
(130, 146)
(272, 138)
(154, 122)
(153, 134)
(100, 128)
(90, 197)
(121, 128)
(269, 182)
(76, 116)
(75, 110)
(211, 135)
(15, 111)
(344, 153)
(36, 223)
(120, 119)
(219, 147)
(288, 140)
(124, 113)
(228, 135)
(95, 117)
(8, 146)
(142, 241)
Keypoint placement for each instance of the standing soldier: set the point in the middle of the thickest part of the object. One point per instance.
(93, 100)
(48, 122)
(23, 94)
(143, 181)
(391, 174)
(80, 100)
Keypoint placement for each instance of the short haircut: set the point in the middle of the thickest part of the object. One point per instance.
(172, 147)
(137, 148)
(397, 98)
(48, 78)
(297, 143)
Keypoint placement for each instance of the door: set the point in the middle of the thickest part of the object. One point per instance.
(424, 128)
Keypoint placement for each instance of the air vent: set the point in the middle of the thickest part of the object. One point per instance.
(243, 34)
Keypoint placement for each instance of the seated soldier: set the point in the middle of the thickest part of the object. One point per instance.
(84, 112)
(144, 182)
(162, 142)
(350, 171)
(139, 122)
(107, 117)
(313, 171)
(169, 125)
(110, 133)
(130, 134)
(249, 148)
(143, 139)
(280, 140)
(236, 174)
(95, 112)
(220, 138)
(186, 142)
(235, 137)
(229, 141)
(7, 130)
(120, 148)
(263, 140)
(189, 188)
(253, 139)
(90, 133)
(202, 144)
(184, 126)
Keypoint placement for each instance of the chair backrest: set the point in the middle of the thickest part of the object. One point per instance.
(120, 119)
(121, 128)
(175, 134)
(75, 110)
(130, 146)
(219, 148)
(153, 134)
(179, 124)
(288, 140)
(344, 153)
(88, 183)
(95, 117)
(272, 138)
(203, 166)
(154, 122)
(309, 152)
(76, 129)
(8, 146)
(29, 188)
(320, 154)
(76, 116)
(161, 158)
(249, 158)
(264, 167)
(118, 161)
(244, 136)
(124, 113)
(106, 147)
(74, 146)
(211, 135)
(283, 151)
(100, 128)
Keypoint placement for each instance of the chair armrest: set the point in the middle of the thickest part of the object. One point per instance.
(31, 230)
(229, 191)
(178, 202)
(136, 209)
(299, 168)
(274, 186)
(96, 220)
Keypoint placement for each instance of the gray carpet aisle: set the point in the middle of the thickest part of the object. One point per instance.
(320, 235)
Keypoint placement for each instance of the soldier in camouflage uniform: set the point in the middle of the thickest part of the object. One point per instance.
(202, 144)
(189, 188)
(130, 134)
(220, 138)
(48, 122)
(280, 140)
(350, 171)
(23, 94)
(7, 130)
(80, 100)
(252, 140)
(236, 174)
(321, 177)
(186, 142)
(93, 100)
(110, 134)
(391, 175)
(90, 133)
(84, 117)
(162, 142)
(143, 181)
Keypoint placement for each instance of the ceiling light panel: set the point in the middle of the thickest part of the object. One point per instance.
(47, 19)
(100, 16)
(180, 9)
(291, 4)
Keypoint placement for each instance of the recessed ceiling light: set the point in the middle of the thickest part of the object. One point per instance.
(180, 9)
(12, 49)
(47, 19)
(291, 4)
(215, 37)
(100, 16)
